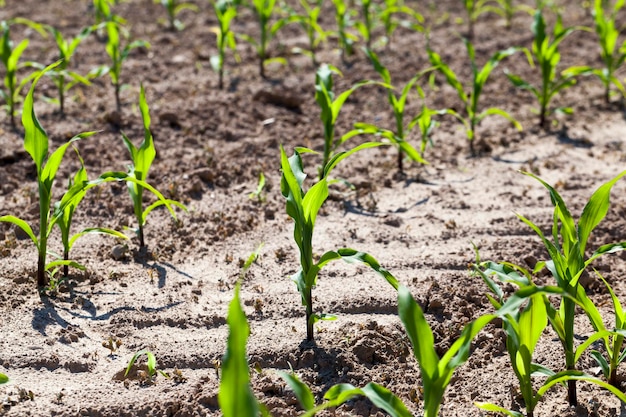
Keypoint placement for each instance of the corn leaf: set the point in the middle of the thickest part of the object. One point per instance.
(301, 390)
(22, 225)
(235, 395)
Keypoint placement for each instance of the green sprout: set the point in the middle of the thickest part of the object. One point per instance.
(62, 77)
(142, 158)
(507, 9)
(36, 143)
(398, 103)
(103, 13)
(225, 11)
(65, 217)
(330, 107)
(258, 193)
(545, 50)
(173, 9)
(473, 116)
(567, 261)
(436, 372)
(613, 340)
(608, 34)
(10, 55)
(309, 21)
(343, 17)
(393, 7)
(118, 55)
(303, 208)
(151, 364)
(474, 9)
(366, 26)
(263, 10)
(3, 379)
(525, 315)
(236, 398)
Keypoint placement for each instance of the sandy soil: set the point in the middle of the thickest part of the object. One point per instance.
(212, 145)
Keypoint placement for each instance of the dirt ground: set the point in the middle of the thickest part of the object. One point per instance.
(213, 144)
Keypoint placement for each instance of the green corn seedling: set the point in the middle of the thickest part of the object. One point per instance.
(236, 398)
(473, 116)
(435, 372)
(330, 107)
(343, 18)
(65, 217)
(398, 103)
(568, 262)
(3, 379)
(474, 9)
(612, 54)
(426, 122)
(118, 55)
(36, 144)
(303, 208)
(613, 340)
(338, 394)
(63, 78)
(173, 9)
(103, 13)
(151, 364)
(225, 11)
(366, 25)
(258, 194)
(545, 50)
(10, 55)
(309, 21)
(263, 10)
(392, 8)
(524, 327)
(508, 8)
(142, 158)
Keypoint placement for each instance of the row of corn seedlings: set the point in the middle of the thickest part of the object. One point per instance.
(525, 316)
(543, 54)
(36, 144)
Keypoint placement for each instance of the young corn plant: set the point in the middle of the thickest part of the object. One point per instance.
(474, 9)
(508, 8)
(390, 24)
(65, 217)
(545, 50)
(173, 9)
(309, 21)
(343, 17)
(366, 25)
(303, 207)
(3, 379)
(10, 55)
(36, 143)
(568, 261)
(225, 11)
(436, 372)
(142, 158)
(613, 340)
(426, 122)
(398, 103)
(330, 107)
(118, 55)
(612, 54)
(473, 116)
(524, 327)
(62, 77)
(264, 9)
(236, 398)
(103, 13)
